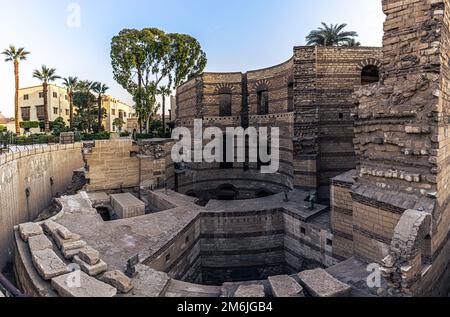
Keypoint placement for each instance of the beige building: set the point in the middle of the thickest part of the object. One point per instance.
(115, 109)
(31, 104)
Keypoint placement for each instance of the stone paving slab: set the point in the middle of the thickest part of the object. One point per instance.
(255, 291)
(285, 286)
(67, 286)
(320, 283)
(29, 229)
(39, 243)
(89, 255)
(48, 264)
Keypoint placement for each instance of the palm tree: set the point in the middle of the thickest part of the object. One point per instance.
(46, 75)
(353, 43)
(100, 89)
(164, 91)
(332, 35)
(13, 54)
(86, 87)
(71, 84)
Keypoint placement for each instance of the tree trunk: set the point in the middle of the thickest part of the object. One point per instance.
(139, 99)
(16, 97)
(71, 109)
(164, 114)
(88, 107)
(100, 115)
(46, 122)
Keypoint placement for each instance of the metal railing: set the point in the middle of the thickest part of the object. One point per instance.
(9, 142)
(10, 289)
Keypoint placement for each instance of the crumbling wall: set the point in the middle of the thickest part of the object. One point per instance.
(401, 139)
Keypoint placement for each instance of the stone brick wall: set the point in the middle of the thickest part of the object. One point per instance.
(325, 79)
(115, 164)
(32, 169)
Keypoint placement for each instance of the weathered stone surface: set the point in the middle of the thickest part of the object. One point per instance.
(39, 243)
(69, 254)
(250, 291)
(285, 286)
(92, 270)
(66, 246)
(149, 282)
(89, 255)
(60, 241)
(118, 280)
(48, 264)
(321, 284)
(50, 227)
(67, 286)
(127, 206)
(29, 229)
(64, 233)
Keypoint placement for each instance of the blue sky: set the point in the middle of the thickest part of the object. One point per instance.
(237, 35)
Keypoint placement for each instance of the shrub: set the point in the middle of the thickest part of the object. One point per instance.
(29, 125)
(2, 128)
(96, 136)
(125, 134)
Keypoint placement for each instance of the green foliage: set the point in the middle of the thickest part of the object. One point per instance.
(118, 123)
(96, 136)
(125, 134)
(35, 139)
(332, 35)
(58, 126)
(145, 61)
(29, 125)
(3, 128)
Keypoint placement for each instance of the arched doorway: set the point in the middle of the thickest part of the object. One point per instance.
(370, 74)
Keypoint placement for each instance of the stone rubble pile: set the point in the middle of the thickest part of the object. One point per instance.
(52, 258)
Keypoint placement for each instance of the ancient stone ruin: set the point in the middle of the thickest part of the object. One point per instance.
(358, 207)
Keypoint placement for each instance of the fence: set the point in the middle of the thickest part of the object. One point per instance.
(9, 142)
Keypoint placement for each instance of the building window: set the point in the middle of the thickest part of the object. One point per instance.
(224, 164)
(55, 95)
(369, 75)
(40, 112)
(124, 114)
(26, 97)
(66, 97)
(329, 242)
(41, 95)
(55, 110)
(113, 112)
(225, 101)
(263, 102)
(67, 112)
(25, 113)
(120, 114)
(291, 97)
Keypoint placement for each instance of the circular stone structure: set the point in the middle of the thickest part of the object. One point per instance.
(226, 248)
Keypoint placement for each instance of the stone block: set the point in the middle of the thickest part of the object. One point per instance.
(92, 270)
(29, 229)
(64, 233)
(89, 255)
(71, 245)
(118, 280)
(50, 227)
(320, 283)
(255, 291)
(67, 286)
(39, 243)
(285, 286)
(48, 264)
(69, 254)
(127, 206)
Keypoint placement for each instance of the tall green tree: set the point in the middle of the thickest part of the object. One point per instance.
(146, 61)
(15, 55)
(100, 89)
(71, 84)
(331, 35)
(45, 75)
(86, 87)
